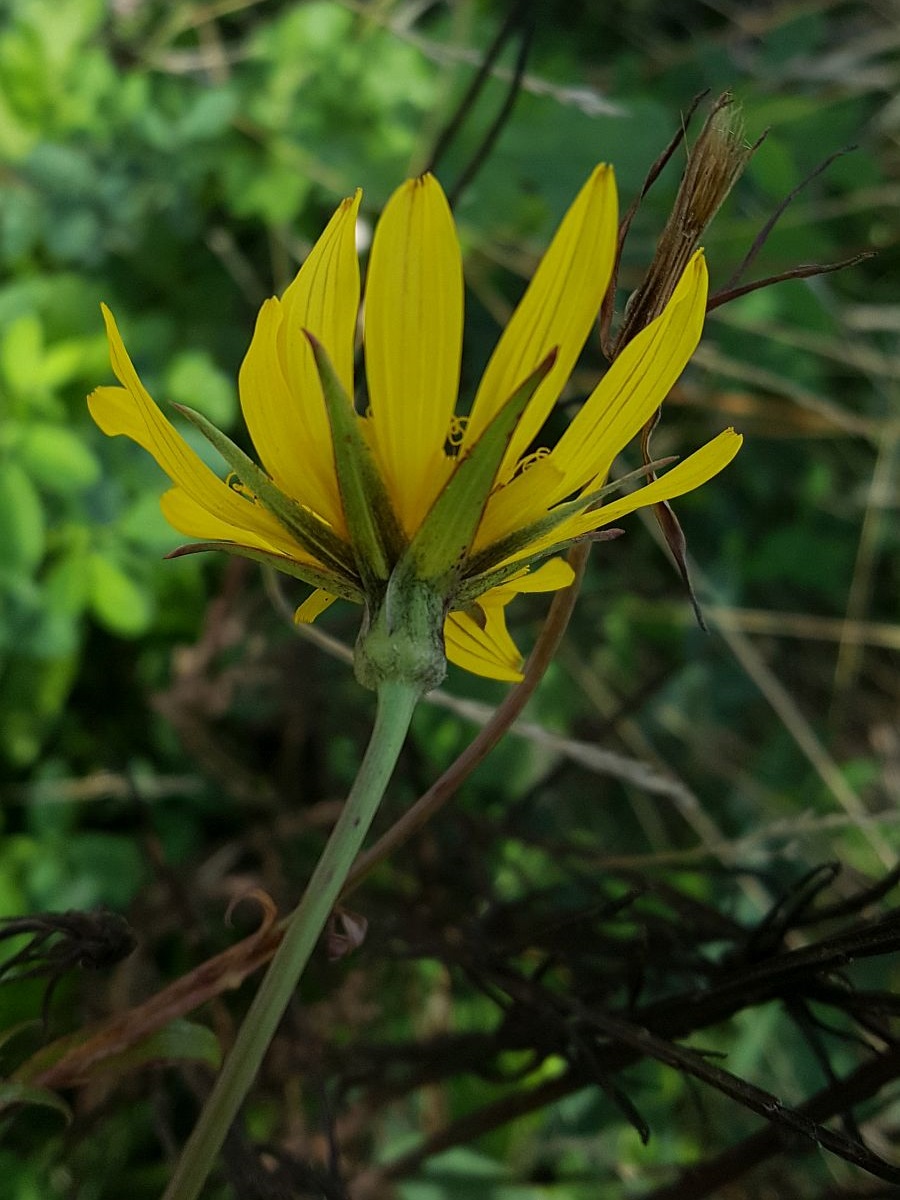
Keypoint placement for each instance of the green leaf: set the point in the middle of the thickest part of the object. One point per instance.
(7, 1035)
(22, 526)
(65, 584)
(180, 1041)
(20, 353)
(118, 603)
(194, 379)
(69, 359)
(15, 1094)
(57, 459)
(209, 114)
(34, 691)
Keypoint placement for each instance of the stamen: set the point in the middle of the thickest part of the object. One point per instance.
(529, 460)
(457, 430)
(234, 482)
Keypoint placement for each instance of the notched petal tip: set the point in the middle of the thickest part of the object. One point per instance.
(604, 173)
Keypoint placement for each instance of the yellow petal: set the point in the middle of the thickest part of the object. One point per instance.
(278, 421)
(281, 395)
(633, 388)
(324, 298)
(192, 519)
(551, 576)
(313, 606)
(130, 411)
(694, 471)
(490, 652)
(413, 339)
(627, 396)
(557, 310)
(520, 502)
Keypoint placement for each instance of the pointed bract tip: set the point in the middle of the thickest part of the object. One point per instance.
(181, 551)
(108, 320)
(549, 362)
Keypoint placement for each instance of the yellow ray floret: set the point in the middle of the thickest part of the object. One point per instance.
(414, 300)
(281, 396)
(558, 310)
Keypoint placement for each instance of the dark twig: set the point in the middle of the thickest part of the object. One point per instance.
(812, 1029)
(710, 1177)
(750, 1096)
(472, 92)
(609, 300)
(553, 1016)
(855, 904)
(785, 913)
(688, 1061)
(61, 942)
(488, 141)
(762, 237)
(805, 271)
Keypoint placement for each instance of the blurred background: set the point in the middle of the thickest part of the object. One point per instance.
(168, 742)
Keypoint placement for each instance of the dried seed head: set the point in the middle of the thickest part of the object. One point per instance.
(714, 163)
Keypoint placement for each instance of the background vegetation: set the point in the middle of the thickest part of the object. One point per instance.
(169, 743)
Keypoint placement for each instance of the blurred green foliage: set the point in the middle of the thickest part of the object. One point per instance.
(176, 161)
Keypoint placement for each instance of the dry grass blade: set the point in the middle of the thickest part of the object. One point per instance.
(881, 493)
(805, 737)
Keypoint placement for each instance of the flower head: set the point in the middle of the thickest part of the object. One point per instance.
(433, 521)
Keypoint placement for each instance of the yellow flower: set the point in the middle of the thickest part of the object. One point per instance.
(362, 506)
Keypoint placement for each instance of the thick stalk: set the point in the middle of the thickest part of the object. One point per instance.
(396, 702)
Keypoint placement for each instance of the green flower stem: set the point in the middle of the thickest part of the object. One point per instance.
(396, 702)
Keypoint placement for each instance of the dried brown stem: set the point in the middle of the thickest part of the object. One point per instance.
(804, 271)
(71, 1060)
(762, 237)
(607, 309)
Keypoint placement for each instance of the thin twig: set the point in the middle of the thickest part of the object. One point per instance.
(467, 102)
(710, 1177)
(607, 309)
(480, 157)
(762, 237)
(804, 271)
